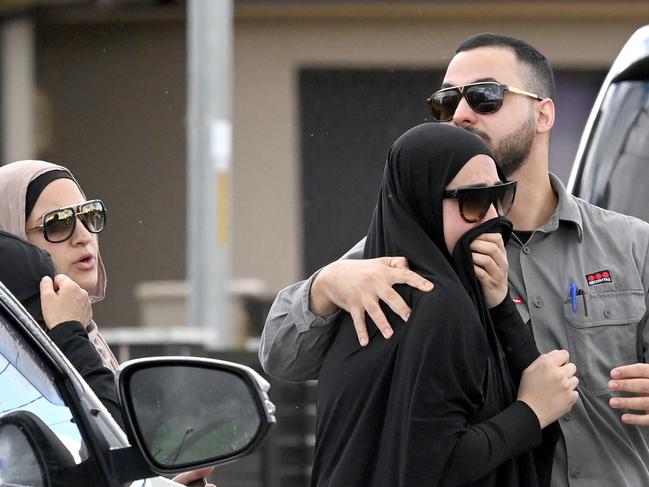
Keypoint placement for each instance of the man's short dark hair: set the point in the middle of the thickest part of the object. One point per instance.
(540, 77)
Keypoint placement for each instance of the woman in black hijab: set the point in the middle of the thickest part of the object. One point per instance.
(459, 394)
(22, 266)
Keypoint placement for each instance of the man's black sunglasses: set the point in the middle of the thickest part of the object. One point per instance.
(483, 97)
(474, 201)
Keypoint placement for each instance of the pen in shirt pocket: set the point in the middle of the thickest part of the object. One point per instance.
(585, 298)
(574, 292)
(573, 296)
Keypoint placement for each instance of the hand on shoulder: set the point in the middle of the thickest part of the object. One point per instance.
(357, 286)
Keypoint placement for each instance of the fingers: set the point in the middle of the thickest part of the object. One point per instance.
(480, 273)
(412, 279)
(638, 403)
(489, 241)
(204, 472)
(46, 286)
(636, 419)
(358, 317)
(396, 303)
(491, 237)
(63, 282)
(376, 313)
(359, 287)
(398, 262)
(635, 379)
(558, 357)
(570, 369)
(187, 477)
(630, 371)
(489, 264)
(494, 251)
(491, 256)
(639, 386)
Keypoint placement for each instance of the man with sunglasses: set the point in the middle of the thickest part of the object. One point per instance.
(578, 274)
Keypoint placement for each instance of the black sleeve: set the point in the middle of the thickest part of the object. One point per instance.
(486, 445)
(72, 340)
(520, 350)
(515, 338)
(450, 358)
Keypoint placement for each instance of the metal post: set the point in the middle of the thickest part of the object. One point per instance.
(18, 123)
(209, 135)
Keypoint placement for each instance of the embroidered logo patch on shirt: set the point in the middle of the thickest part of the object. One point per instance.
(599, 277)
(518, 300)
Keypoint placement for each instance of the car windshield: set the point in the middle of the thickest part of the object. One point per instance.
(618, 156)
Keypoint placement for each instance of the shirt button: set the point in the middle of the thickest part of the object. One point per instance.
(576, 473)
(566, 417)
(526, 250)
(538, 302)
(608, 313)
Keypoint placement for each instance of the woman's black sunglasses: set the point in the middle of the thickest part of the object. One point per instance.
(474, 201)
(483, 97)
(58, 225)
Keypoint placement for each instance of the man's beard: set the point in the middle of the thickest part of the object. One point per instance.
(513, 149)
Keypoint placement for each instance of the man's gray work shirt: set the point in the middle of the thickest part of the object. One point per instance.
(601, 323)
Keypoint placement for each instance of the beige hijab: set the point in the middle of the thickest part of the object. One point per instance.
(14, 180)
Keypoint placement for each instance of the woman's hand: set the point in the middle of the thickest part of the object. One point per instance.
(491, 267)
(187, 478)
(63, 300)
(548, 386)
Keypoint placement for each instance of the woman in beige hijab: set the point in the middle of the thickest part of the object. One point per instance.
(32, 190)
(43, 203)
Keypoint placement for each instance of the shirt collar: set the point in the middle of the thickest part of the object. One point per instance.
(567, 209)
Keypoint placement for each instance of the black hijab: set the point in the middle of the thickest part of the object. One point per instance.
(408, 216)
(22, 266)
(417, 409)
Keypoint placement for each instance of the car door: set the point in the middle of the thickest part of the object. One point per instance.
(32, 401)
(53, 429)
(54, 432)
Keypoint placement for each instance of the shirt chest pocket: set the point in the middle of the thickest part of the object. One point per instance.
(602, 334)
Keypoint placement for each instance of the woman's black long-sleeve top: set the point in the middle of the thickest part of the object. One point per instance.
(423, 408)
(71, 338)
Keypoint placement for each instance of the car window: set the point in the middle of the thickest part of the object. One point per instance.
(29, 395)
(616, 169)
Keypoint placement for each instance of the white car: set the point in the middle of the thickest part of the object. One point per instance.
(182, 413)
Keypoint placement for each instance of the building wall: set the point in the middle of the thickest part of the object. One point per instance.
(117, 92)
(116, 95)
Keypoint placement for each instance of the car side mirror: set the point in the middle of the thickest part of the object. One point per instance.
(186, 413)
(31, 454)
